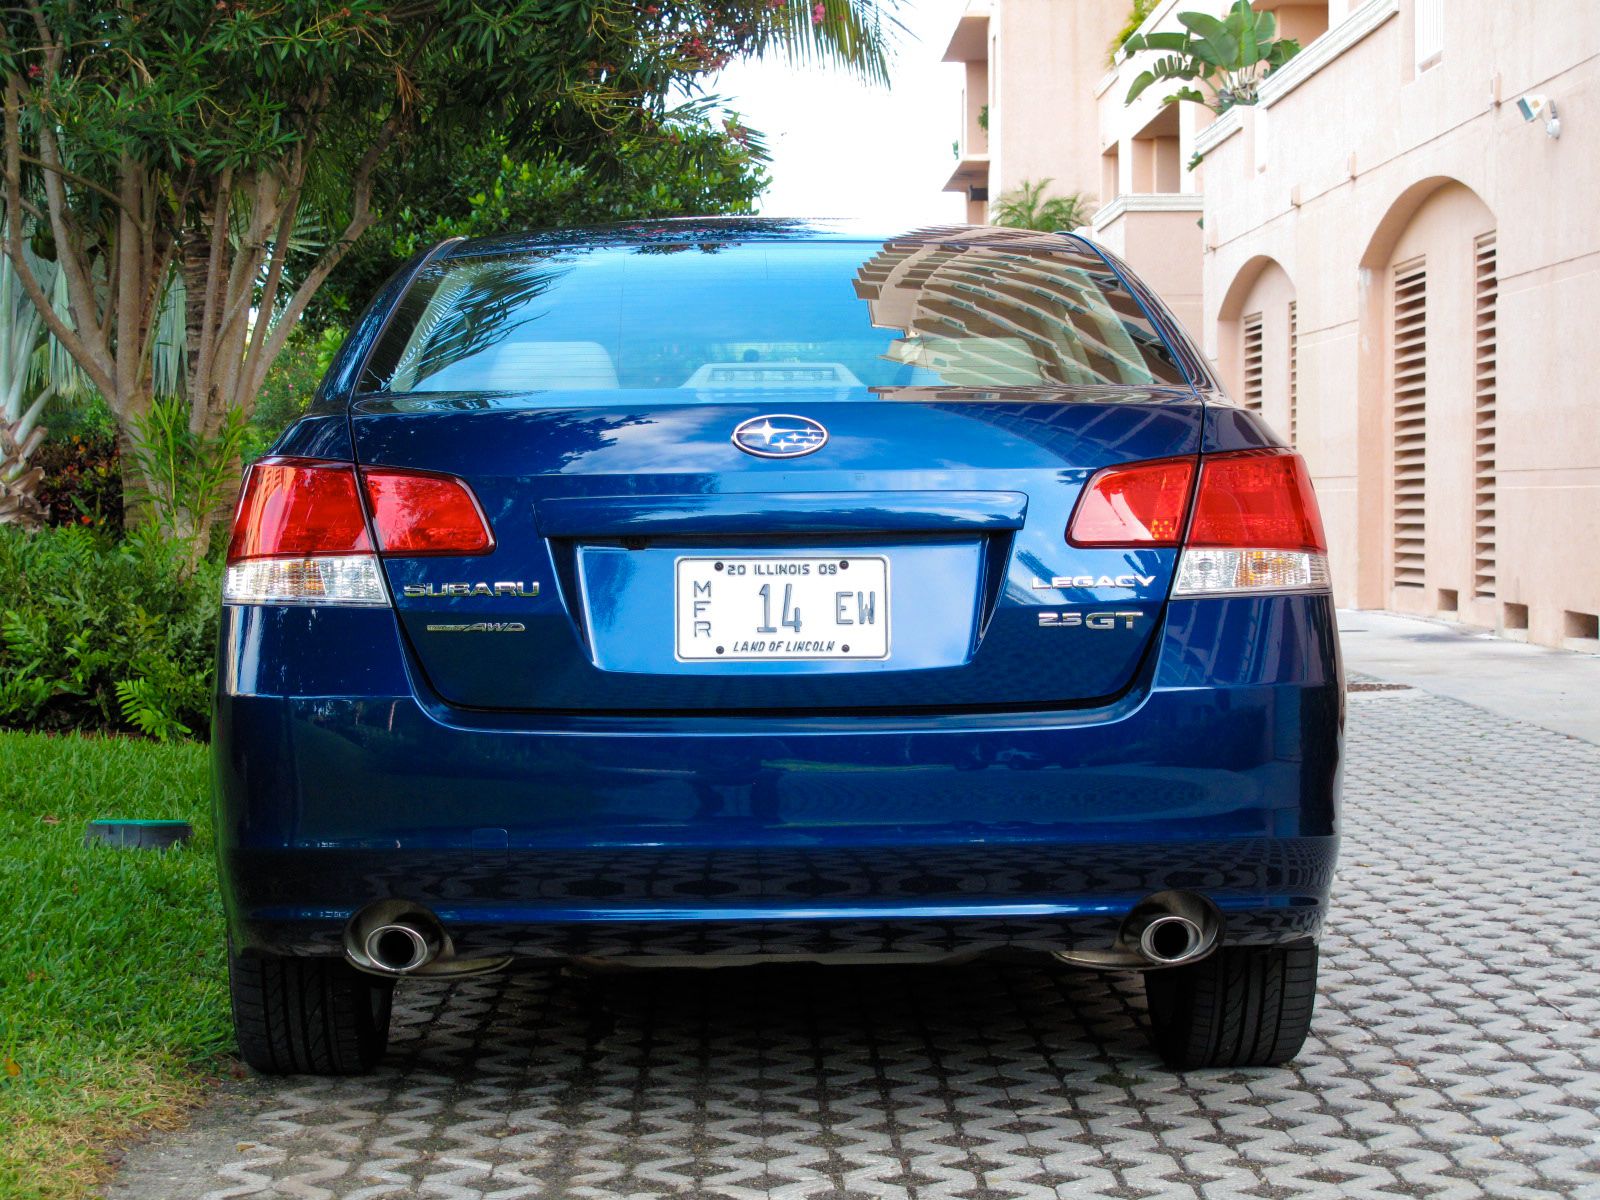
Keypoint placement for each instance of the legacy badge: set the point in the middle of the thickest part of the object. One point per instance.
(1092, 581)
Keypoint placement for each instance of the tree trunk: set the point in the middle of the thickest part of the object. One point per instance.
(222, 512)
(135, 487)
(19, 483)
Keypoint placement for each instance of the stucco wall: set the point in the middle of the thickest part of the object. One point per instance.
(1046, 57)
(1368, 162)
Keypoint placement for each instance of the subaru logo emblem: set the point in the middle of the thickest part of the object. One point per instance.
(779, 435)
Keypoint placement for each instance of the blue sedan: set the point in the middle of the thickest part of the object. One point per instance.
(727, 591)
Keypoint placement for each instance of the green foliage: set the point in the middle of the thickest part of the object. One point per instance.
(81, 616)
(696, 170)
(112, 982)
(145, 705)
(1027, 207)
(88, 416)
(82, 482)
(200, 88)
(186, 476)
(1228, 57)
(243, 149)
(1135, 18)
(983, 118)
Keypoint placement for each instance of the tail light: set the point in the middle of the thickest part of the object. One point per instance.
(416, 512)
(300, 535)
(1254, 525)
(1255, 528)
(1138, 505)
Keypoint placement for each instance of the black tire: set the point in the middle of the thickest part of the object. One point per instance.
(308, 1016)
(1244, 1006)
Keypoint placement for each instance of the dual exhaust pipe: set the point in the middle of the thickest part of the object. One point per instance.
(1165, 930)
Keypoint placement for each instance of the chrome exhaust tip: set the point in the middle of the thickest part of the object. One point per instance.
(395, 938)
(399, 948)
(1167, 929)
(1170, 938)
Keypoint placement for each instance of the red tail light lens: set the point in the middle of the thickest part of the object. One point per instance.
(1260, 499)
(298, 508)
(422, 513)
(1138, 505)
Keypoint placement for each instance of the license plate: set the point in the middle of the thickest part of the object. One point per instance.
(782, 609)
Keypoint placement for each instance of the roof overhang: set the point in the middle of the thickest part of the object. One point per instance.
(970, 172)
(970, 41)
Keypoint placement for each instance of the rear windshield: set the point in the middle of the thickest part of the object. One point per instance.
(822, 316)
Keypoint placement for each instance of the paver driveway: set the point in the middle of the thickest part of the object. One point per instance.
(1456, 1050)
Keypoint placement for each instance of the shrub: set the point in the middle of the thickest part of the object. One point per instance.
(96, 634)
(82, 482)
(1130, 25)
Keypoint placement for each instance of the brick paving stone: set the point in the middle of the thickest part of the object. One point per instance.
(1456, 1050)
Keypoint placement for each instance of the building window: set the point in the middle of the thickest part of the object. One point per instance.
(1428, 32)
(1294, 373)
(1410, 422)
(1252, 362)
(1486, 297)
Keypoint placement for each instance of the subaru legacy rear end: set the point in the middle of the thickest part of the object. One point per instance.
(735, 591)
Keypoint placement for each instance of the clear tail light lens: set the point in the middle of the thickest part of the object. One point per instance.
(319, 579)
(300, 535)
(1209, 572)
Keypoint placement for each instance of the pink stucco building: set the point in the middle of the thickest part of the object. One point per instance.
(1394, 265)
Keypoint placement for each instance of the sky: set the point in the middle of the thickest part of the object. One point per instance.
(875, 155)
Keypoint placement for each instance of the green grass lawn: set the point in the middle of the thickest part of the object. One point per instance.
(112, 990)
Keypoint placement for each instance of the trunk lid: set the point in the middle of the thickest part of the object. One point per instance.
(950, 506)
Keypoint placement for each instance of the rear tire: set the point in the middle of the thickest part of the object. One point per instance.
(1243, 1006)
(308, 1016)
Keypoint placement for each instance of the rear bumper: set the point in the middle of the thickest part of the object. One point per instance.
(339, 782)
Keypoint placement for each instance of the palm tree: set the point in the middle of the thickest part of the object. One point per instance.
(34, 370)
(1229, 57)
(857, 35)
(1027, 207)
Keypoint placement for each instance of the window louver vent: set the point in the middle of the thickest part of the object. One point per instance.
(1410, 422)
(1294, 373)
(1252, 362)
(1486, 285)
